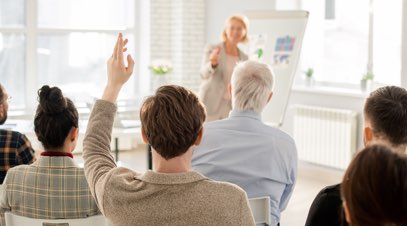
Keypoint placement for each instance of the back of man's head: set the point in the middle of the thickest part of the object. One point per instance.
(3, 105)
(171, 120)
(386, 110)
(252, 84)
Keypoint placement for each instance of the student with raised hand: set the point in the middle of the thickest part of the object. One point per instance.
(385, 122)
(171, 194)
(54, 186)
(15, 148)
(217, 67)
(374, 188)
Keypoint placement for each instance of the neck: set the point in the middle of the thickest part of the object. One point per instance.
(179, 164)
(231, 48)
(402, 148)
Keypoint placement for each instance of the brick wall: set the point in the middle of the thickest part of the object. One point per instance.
(178, 35)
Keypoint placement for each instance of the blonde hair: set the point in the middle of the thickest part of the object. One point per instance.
(242, 19)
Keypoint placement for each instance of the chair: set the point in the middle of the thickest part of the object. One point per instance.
(16, 220)
(261, 209)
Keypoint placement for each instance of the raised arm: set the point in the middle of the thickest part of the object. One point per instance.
(96, 145)
(210, 61)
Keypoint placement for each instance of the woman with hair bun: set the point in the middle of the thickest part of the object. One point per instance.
(53, 187)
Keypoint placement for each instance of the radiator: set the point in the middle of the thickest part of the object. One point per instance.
(325, 136)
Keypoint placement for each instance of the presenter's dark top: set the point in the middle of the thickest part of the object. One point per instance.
(326, 209)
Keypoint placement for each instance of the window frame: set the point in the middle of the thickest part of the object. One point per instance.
(31, 31)
(402, 80)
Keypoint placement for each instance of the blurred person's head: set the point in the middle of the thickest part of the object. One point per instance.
(385, 114)
(171, 120)
(374, 188)
(235, 29)
(251, 86)
(3, 104)
(56, 120)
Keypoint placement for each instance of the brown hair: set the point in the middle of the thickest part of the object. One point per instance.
(171, 120)
(386, 109)
(242, 19)
(375, 187)
(55, 117)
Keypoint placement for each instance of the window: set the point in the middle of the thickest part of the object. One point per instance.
(345, 39)
(62, 43)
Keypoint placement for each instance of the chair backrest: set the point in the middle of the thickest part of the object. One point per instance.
(261, 209)
(16, 220)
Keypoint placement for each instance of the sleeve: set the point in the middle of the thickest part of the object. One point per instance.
(288, 190)
(4, 206)
(206, 67)
(25, 153)
(245, 211)
(96, 149)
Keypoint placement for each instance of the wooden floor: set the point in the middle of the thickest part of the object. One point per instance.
(311, 179)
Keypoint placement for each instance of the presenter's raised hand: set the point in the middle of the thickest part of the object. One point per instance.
(117, 72)
(214, 57)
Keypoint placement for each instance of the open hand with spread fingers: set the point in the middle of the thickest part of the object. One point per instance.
(117, 72)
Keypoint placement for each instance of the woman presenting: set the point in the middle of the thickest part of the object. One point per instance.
(217, 67)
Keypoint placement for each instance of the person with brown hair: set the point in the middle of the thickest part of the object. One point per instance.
(54, 186)
(385, 121)
(171, 194)
(15, 148)
(217, 67)
(374, 188)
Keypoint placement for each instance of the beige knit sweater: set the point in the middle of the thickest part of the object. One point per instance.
(126, 197)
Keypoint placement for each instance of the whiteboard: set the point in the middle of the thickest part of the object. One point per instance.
(276, 39)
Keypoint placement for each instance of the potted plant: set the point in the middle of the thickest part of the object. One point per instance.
(366, 81)
(159, 70)
(309, 79)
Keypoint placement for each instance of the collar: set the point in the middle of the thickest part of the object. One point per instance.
(246, 114)
(171, 178)
(56, 162)
(56, 154)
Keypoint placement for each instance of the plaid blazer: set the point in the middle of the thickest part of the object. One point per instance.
(50, 188)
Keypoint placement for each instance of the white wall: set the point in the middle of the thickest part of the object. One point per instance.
(217, 11)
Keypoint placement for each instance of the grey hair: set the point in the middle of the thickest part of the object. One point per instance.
(252, 83)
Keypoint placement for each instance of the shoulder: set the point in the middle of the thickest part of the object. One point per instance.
(279, 135)
(326, 207)
(243, 55)
(223, 189)
(329, 196)
(18, 170)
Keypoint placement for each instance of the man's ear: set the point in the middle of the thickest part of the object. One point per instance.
(199, 138)
(74, 133)
(143, 136)
(230, 88)
(269, 98)
(367, 135)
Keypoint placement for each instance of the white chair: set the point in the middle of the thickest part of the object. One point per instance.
(261, 209)
(16, 220)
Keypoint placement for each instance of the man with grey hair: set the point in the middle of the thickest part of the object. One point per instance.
(243, 150)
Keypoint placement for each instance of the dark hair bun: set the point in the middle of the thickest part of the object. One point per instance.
(51, 100)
